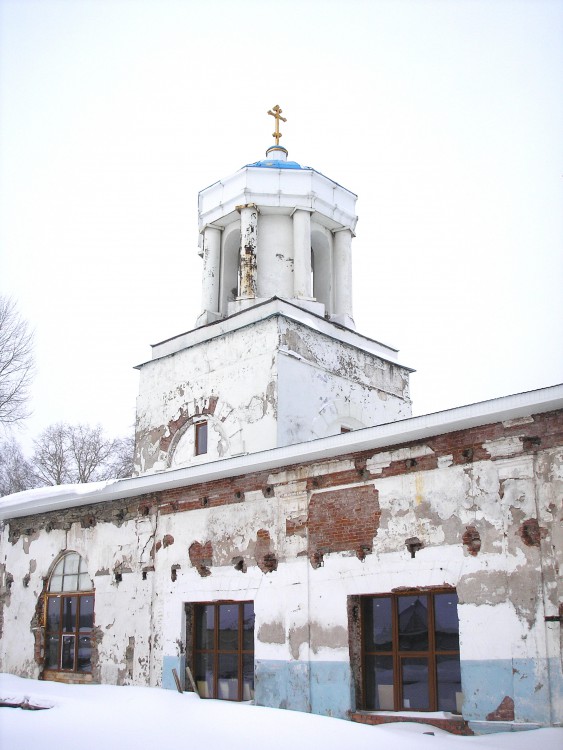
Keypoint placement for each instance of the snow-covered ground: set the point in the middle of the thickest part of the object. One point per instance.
(103, 717)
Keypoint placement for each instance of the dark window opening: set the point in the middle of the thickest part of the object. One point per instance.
(200, 438)
(69, 617)
(223, 650)
(410, 652)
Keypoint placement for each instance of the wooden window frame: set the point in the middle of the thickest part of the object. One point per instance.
(75, 633)
(77, 594)
(397, 655)
(201, 439)
(215, 652)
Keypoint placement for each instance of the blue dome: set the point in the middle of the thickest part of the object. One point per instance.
(276, 164)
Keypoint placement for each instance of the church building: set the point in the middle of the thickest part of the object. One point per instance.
(292, 535)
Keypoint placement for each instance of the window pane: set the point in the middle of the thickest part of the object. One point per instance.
(248, 677)
(201, 438)
(413, 623)
(84, 582)
(248, 627)
(205, 619)
(86, 615)
(379, 683)
(228, 627)
(56, 583)
(204, 675)
(67, 660)
(71, 564)
(449, 682)
(415, 683)
(378, 628)
(59, 567)
(447, 623)
(70, 583)
(53, 612)
(84, 654)
(227, 677)
(69, 614)
(52, 652)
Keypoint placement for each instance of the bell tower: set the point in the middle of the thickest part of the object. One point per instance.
(277, 229)
(274, 359)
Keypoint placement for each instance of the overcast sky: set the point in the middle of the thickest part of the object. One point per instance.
(444, 116)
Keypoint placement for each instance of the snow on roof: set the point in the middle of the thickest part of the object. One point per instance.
(518, 406)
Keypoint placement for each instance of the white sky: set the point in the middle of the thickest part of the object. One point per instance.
(444, 116)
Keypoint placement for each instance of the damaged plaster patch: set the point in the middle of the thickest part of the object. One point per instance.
(376, 464)
(328, 637)
(297, 636)
(271, 632)
(506, 446)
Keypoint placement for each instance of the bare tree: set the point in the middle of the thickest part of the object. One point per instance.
(16, 363)
(122, 458)
(74, 454)
(16, 472)
(51, 458)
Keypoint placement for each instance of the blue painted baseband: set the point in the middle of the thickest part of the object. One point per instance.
(168, 664)
(319, 687)
(535, 686)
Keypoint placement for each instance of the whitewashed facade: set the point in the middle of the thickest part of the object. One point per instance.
(282, 481)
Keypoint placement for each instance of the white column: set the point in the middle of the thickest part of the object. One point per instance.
(211, 265)
(302, 254)
(342, 273)
(248, 248)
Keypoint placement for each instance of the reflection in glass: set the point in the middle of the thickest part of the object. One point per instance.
(205, 625)
(53, 612)
(204, 674)
(86, 614)
(67, 652)
(379, 683)
(448, 674)
(446, 622)
(378, 627)
(228, 626)
(227, 677)
(52, 652)
(248, 626)
(84, 654)
(415, 683)
(413, 623)
(69, 614)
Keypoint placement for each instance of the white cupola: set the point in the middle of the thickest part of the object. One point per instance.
(277, 229)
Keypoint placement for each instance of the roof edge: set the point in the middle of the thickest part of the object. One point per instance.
(47, 499)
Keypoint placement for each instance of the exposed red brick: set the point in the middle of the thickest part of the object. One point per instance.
(453, 726)
(167, 540)
(472, 540)
(263, 553)
(504, 711)
(531, 532)
(201, 557)
(342, 520)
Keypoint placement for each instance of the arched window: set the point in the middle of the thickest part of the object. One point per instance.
(69, 616)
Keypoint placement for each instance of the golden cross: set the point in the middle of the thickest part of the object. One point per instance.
(276, 112)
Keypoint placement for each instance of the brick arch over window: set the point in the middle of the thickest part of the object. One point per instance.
(68, 619)
(337, 414)
(224, 431)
